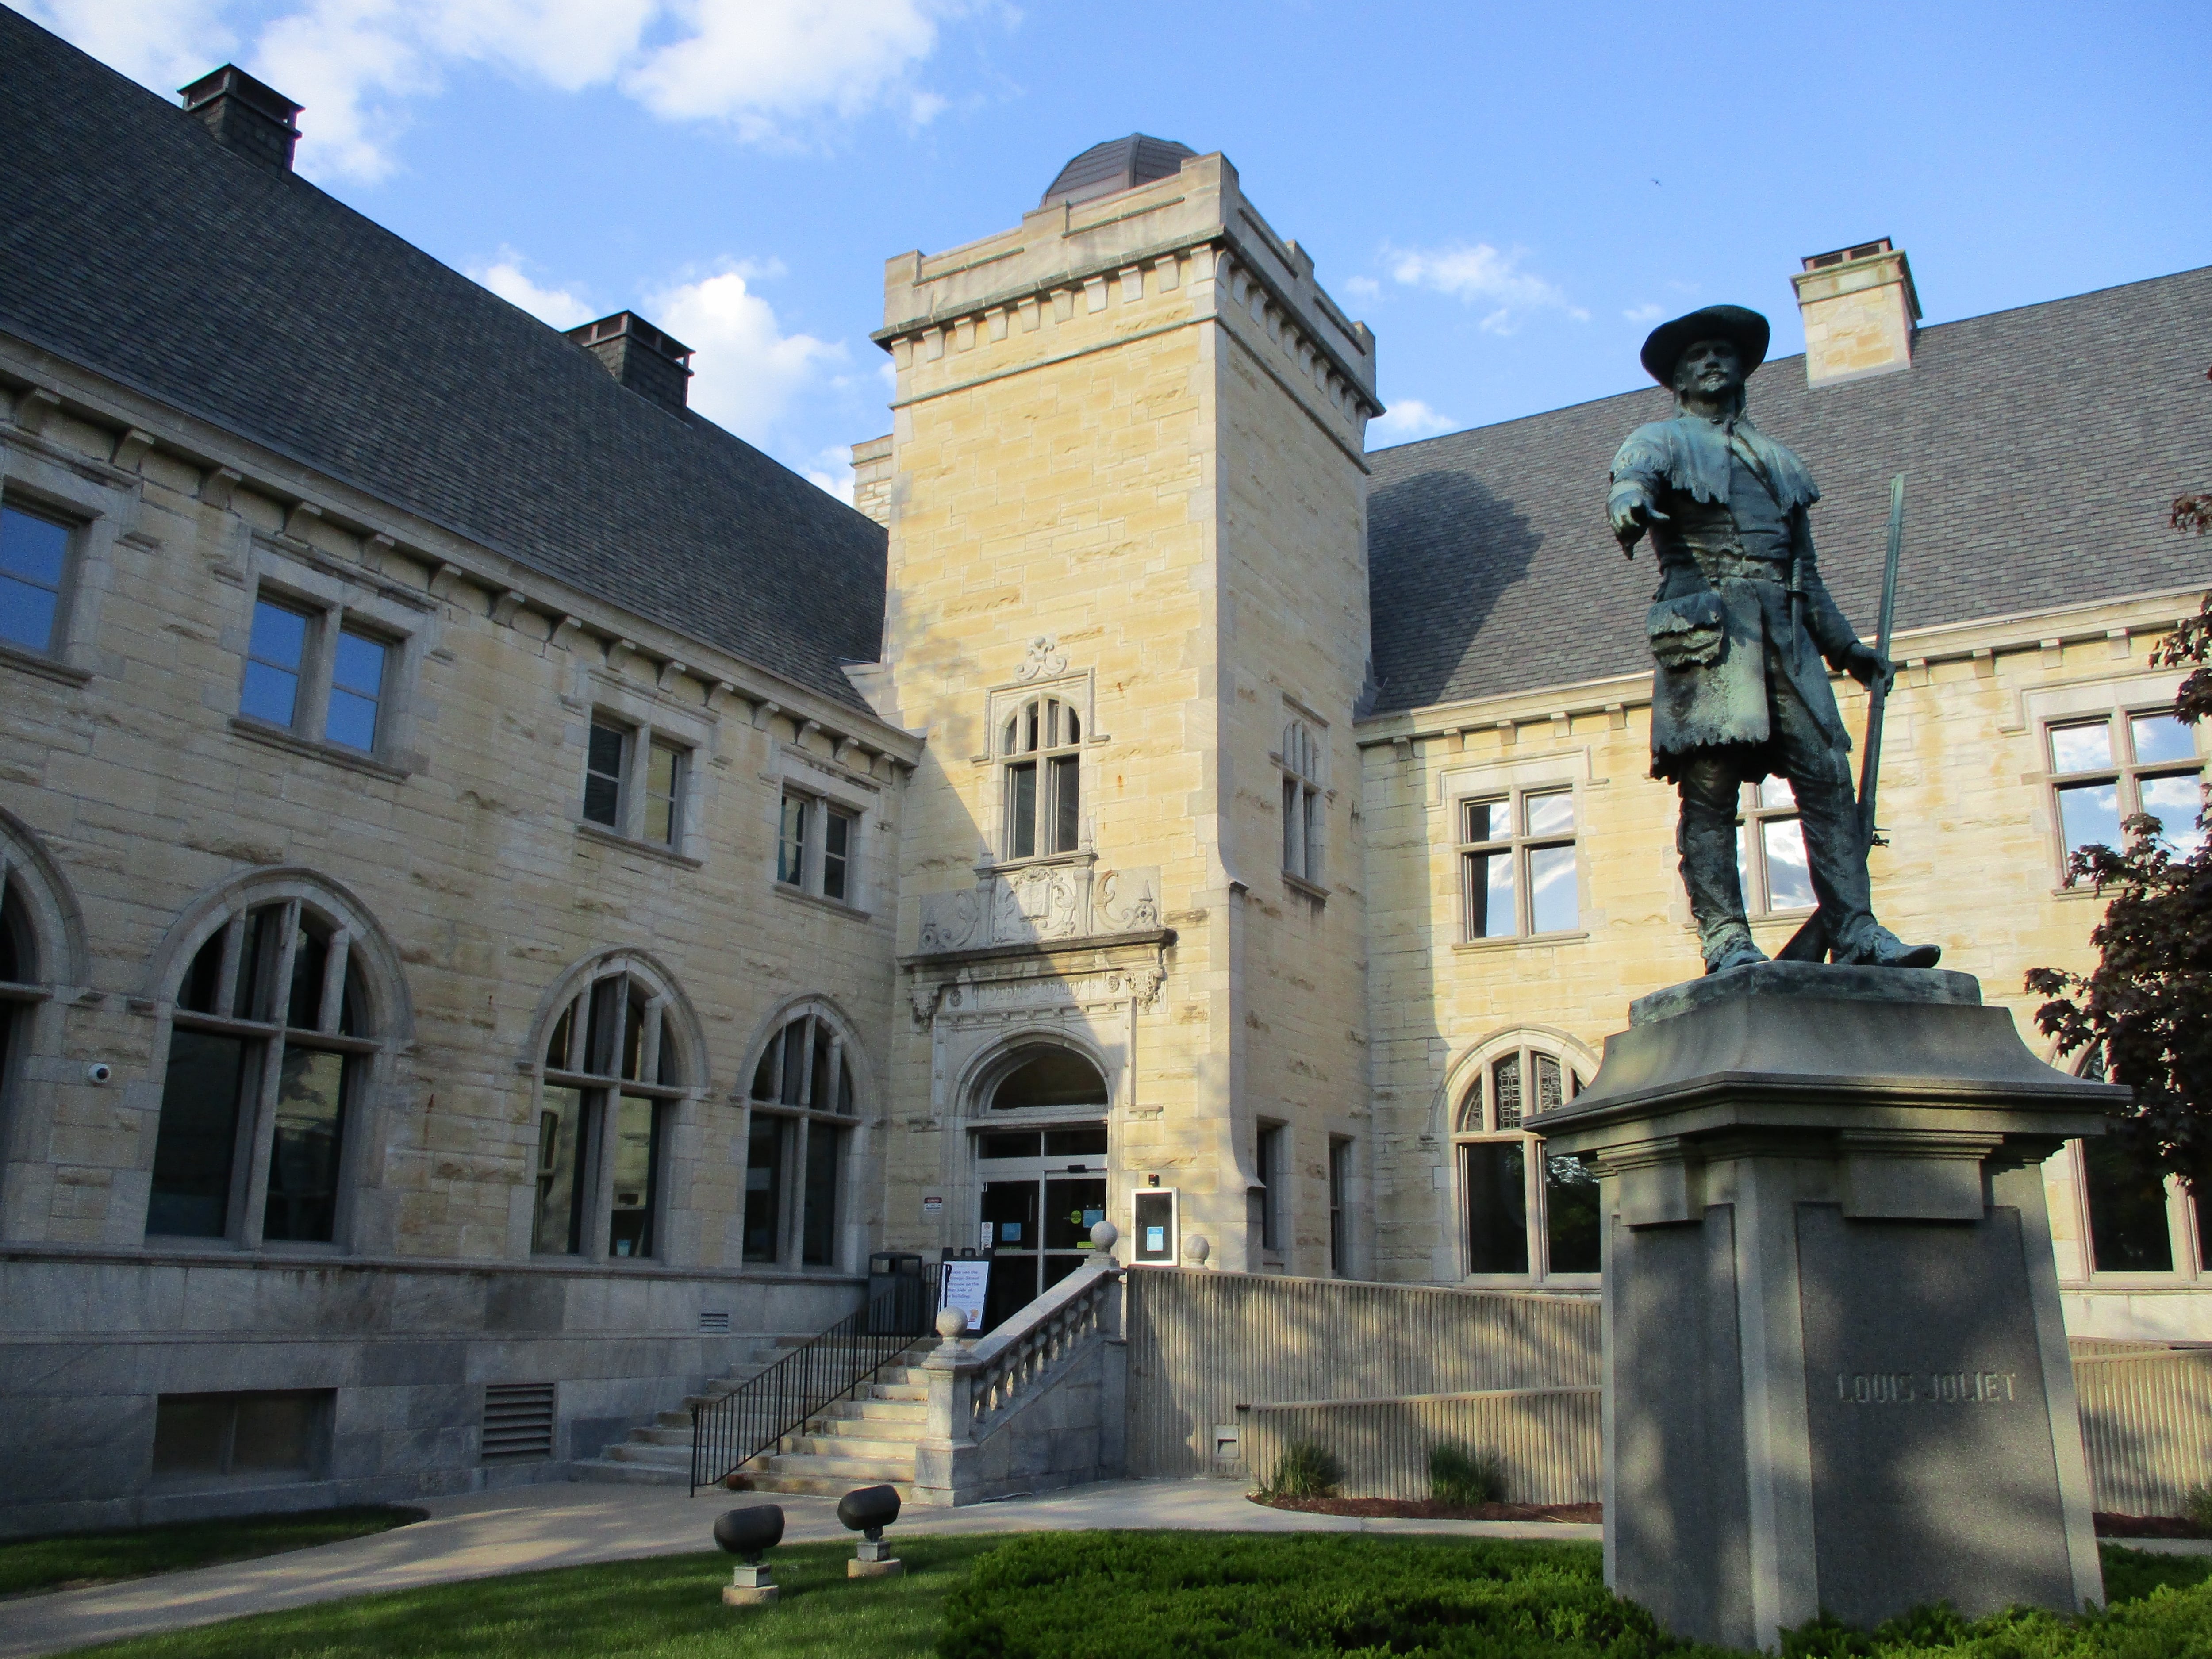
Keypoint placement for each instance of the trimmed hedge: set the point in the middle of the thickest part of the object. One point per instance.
(1219, 1595)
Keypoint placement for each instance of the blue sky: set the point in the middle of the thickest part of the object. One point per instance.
(1509, 194)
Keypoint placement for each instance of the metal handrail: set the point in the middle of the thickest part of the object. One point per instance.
(729, 1431)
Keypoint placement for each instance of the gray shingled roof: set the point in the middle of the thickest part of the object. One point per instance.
(132, 243)
(2041, 448)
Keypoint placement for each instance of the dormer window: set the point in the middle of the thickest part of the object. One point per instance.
(1039, 753)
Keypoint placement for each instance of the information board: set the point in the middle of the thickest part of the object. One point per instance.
(962, 1284)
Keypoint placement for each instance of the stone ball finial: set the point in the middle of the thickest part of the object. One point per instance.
(1197, 1248)
(1103, 1236)
(950, 1322)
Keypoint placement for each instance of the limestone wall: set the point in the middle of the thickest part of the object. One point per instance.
(1974, 863)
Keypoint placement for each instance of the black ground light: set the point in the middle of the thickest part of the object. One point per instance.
(750, 1534)
(867, 1510)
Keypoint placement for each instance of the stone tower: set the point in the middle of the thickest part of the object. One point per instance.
(1126, 496)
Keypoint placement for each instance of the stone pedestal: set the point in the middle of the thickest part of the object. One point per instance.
(750, 1587)
(1836, 1375)
(872, 1558)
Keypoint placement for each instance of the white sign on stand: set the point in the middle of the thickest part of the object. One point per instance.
(963, 1284)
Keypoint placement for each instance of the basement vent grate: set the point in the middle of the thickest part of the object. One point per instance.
(517, 1421)
(714, 1324)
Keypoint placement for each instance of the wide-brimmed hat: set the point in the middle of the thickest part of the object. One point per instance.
(1738, 324)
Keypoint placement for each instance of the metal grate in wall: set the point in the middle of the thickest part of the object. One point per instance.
(517, 1421)
(714, 1324)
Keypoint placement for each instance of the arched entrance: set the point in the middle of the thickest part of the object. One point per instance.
(1040, 1148)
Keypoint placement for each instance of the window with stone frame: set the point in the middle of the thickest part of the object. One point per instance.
(635, 781)
(1340, 1206)
(1041, 778)
(1770, 851)
(318, 671)
(802, 1107)
(34, 569)
(21, 989)
(1524, 1213)
(2138, 1221)
(1304, 803)
(270, 1043)
(2110, 766)
(614, 1074)
(817, 847)
(1517, 863)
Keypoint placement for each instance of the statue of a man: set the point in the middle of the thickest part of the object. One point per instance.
(1739, 627)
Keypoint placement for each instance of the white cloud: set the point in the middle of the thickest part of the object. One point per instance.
(559, 307)
(833, 471)
(767, 69)
(1481, 275)
(1646, 313)
(161, 44)
(745, 369)
(1362, 288)
(1408, 418)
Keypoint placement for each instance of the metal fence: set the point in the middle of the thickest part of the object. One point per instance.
(730, 1430)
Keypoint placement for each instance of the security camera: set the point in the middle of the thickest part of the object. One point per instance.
(99, 1071)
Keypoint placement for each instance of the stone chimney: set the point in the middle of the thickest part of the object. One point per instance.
(1859, 311)
(247, 115)
(640, 356)
(872, 479)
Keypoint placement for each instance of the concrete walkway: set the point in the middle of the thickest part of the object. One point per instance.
(528, 1528)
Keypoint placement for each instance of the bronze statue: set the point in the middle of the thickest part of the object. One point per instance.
(1739, 627)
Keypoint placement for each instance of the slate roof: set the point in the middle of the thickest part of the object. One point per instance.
(1118, 165)
(2041, 447)
(133, 244)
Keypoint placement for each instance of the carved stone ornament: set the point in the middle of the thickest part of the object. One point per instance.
(1039, 904)
(985, 998)
(1044, 661)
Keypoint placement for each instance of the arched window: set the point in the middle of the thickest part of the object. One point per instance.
(1525, 1213)
(1301, 760)
(802, 1107)
(1042, 784)
(273, 1031)
(614, 1068)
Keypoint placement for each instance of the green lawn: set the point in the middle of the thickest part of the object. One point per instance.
(1126, 1595)
(667, 1608)
(94, 1558)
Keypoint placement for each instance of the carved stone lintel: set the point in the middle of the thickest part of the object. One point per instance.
(216, 487)
(1040, 903)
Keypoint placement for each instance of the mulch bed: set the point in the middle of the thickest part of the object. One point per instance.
(2144, 1525)
(1431, 1508)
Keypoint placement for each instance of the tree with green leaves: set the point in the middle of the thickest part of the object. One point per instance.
(2145, 1011)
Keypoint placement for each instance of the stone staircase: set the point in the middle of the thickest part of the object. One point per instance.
(850, 1442)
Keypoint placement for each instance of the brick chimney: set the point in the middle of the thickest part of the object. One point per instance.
(640, 356)
(1859, 311)
(246, 115)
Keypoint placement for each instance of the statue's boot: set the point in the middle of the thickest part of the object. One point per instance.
(1707, 840)
(1830, 818)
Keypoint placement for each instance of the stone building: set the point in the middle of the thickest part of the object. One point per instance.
(510, 894)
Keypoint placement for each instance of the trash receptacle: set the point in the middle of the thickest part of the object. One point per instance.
(897, 1301)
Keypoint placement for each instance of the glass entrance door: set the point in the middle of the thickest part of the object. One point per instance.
(1042, 1192)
